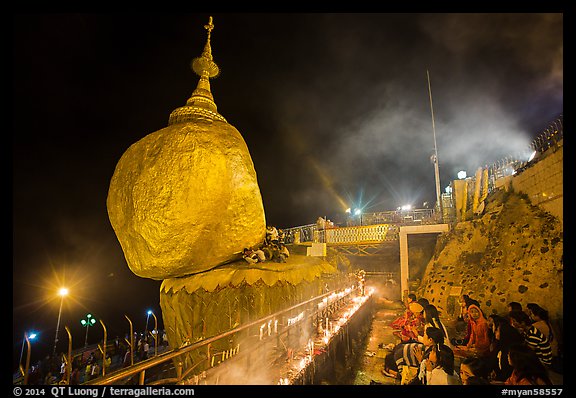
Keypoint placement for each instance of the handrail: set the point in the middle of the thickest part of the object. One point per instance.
(142, 366)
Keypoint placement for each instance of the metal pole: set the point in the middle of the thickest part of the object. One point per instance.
(155, 334)
(146, 328)
(104, 349)
(27, 360)
(58, 325)
(86, 339)
(22, 350)
(131, 341)
(436, 171)
(69, 358)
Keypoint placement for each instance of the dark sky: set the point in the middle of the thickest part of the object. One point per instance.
(334, 108)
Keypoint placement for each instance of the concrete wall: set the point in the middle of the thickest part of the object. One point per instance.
(543, 183)
(541, 180)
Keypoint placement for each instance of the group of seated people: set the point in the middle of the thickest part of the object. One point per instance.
(273, 248)
(519, 348)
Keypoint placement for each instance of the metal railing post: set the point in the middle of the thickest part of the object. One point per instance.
(131, 341)
(27, 368)
(104, 348)
(69, 359)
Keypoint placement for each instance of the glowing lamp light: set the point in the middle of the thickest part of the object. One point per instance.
(406, 207)
(357, 212)
(63, 292)
(348, 210)
(89, 321)
(532, 156)
(462, 174)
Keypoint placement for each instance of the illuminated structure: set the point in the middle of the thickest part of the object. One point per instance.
(184, 202)
(185, 199)
(201, 104)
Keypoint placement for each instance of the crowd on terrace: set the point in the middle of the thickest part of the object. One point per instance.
(520, 347)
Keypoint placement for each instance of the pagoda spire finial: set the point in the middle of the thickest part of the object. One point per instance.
(209, 27)
(204, 66)
(201, 104)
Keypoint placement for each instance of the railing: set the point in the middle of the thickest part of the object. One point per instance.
(303, 233)
(316, 308)
(419, 216)
(366, 234)
(550, 139)
(376, 227)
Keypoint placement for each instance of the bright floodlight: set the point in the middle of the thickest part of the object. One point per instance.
(348, 210)
(32, 336)
(532, 156)
(462, 174)
(149, 312)
(357, 212)
(63, 292)
(406, 207)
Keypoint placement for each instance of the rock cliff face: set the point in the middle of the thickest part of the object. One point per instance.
(512, 252)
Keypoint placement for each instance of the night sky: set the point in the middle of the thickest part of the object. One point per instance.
(334, 108)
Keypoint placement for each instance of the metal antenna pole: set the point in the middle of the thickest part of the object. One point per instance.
(436, 171)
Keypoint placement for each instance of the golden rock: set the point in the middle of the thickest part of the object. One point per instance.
(185, 199)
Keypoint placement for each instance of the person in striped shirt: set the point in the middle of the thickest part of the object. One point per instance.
(533, 337)
(403, 354)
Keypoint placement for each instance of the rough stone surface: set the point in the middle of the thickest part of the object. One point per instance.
(513, 252)
(185, 199)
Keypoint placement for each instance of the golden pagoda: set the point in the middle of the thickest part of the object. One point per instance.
(185, 199)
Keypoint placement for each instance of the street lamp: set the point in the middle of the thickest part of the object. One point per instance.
(27, 358)
(89, 321)
(147, 317)
(155, 332)
(31, 336)
(62, 293)
(358, 212)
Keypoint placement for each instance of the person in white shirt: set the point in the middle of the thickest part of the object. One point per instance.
(440, 367)
(432, 318)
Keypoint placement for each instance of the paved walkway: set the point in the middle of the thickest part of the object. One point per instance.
(380, 336)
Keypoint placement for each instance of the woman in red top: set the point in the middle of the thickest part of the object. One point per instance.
(414, 325)
(479, 342)
(528, 370)
(399, 322)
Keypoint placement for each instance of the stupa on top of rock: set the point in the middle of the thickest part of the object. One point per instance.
(185, 199)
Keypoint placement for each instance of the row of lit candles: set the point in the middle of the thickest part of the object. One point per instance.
(226, 354)
(329, 330)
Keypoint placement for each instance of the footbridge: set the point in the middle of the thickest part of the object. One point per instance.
(370, 239)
